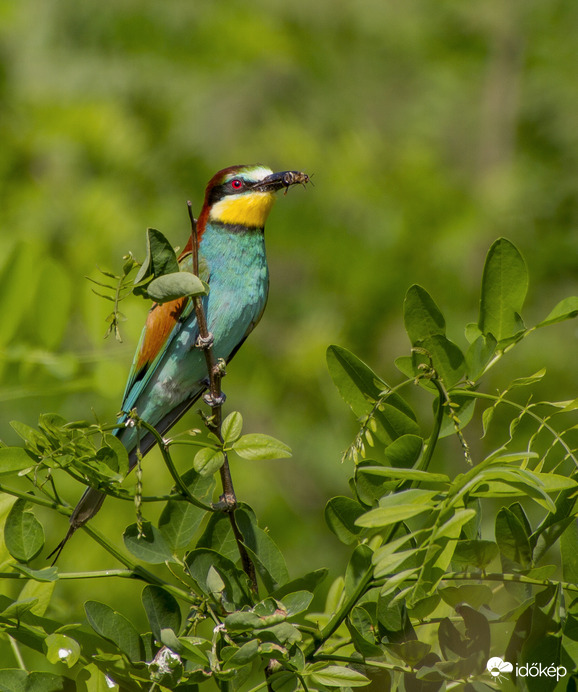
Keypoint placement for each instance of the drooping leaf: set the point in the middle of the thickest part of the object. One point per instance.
(23, 533)
(162, 610)
(218, 536)
(358, 568)
(161, 258)
(114, 627)
(175, 285)
(340, 515)
(512, 538)
(446, 358)
(180, 520)
(569, 552)
(359, 386)
(479, 354)
(62, 649)
(339, 676)
(476, 595)
(478, 553)
(148, 545)
(565, 310)
(504, 288)
(200, 562)
(268, 559)
(257, 446)
(14, 460)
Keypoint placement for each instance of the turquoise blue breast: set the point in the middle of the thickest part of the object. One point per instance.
(239, 281)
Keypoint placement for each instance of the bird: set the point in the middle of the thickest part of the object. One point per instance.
(168, 372)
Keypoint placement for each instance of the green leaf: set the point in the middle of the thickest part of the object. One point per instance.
(341, 514)
(256, 446)
(161, 258)
(40, 592)
(406, 474)
(208, 461)
(421, 315)
(297, 602)
(504, 288)
(23, 533)
(358, 568)
(398, 507)
(267, 558)
(565, 310)
(149, 545)
(162, 610)
(512, 538)
(476, 595)
(386, 516)
(218, 536)
(13, 680)
(528, 381)
(339, 676)
(308, 582)
(180, 520)
(359, 386)
(199, 564)
(446, 357)
(14, 460)
(62, 649)
(479, 354)
(176, 285)
(115, 628)
(244, 655)
(426, 329)
(569, 551)
(232, 427)
(39, 575)
(477, 553)
(404, 451)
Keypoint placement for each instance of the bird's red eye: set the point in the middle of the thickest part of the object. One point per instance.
(236, 184)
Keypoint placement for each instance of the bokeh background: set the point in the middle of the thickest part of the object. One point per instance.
(429, 130)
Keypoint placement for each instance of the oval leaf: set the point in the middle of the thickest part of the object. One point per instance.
(115, 628)
(13, 460)
(339, 676)
(23, 533)
(341, 514)
(176, 285)
(256, 447)
(149, 545)
(162, 610)
(504, 287)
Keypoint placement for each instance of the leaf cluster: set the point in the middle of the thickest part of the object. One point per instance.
(446, 569)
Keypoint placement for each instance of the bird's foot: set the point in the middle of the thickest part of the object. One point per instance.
(212, 401)
(220, 367)
(205, 342)
(227, 503)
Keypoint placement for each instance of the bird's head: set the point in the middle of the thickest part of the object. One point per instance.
(244, 195)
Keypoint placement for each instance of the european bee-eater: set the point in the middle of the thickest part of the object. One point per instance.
(169, 373)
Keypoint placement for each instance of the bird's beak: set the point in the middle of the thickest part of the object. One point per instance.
(284, 179)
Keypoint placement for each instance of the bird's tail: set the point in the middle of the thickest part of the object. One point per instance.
(87, 507)
(92, 500)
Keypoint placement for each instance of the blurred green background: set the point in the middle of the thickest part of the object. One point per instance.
(429, 129)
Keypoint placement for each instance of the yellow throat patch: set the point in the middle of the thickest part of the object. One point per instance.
(250, 209)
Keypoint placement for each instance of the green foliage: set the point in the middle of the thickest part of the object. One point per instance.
(446, 570)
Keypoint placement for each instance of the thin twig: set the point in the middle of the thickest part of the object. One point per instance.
(215, 400)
